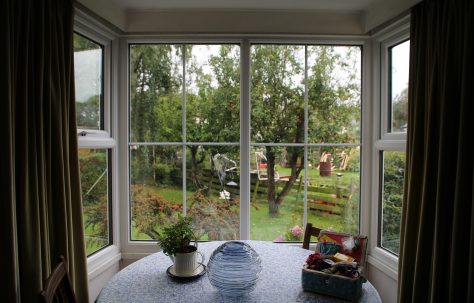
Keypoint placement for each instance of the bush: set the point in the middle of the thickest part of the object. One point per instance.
(162, 173)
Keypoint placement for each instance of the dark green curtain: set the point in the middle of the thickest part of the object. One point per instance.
(41, 212)
(437, 237)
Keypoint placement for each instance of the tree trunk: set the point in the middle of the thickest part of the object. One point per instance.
(273, 209)
(194, 168)
(275, 199)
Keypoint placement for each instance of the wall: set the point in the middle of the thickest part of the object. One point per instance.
(248, 22)
(385, 285)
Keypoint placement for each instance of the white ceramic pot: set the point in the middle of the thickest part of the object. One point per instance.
(186, 264)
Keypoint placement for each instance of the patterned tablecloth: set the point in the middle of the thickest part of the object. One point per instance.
(280, 280)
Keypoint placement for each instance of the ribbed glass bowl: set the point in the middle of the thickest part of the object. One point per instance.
(233, 268)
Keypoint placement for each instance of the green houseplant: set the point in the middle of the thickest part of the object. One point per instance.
(176, 238)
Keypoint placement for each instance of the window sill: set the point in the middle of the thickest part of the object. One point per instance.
(102, 260)
(384, 261)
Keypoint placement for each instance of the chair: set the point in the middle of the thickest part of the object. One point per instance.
(308, 232)
(58, 286)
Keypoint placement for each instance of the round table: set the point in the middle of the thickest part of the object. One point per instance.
(280, 280)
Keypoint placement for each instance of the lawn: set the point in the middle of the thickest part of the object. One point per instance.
(266, 227)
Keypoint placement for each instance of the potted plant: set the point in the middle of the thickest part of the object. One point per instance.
(175, 241)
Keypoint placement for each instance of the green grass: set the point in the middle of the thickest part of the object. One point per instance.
(262, 225)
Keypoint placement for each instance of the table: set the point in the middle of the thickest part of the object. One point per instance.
(280, 280)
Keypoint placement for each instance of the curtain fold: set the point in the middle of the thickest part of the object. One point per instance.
(41, 202)
(436, 261)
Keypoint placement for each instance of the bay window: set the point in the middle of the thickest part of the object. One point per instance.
(94, 142)
(391, 143)
(186, 141)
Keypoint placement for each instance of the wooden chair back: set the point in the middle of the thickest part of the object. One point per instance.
(308, 232)
(58, 286)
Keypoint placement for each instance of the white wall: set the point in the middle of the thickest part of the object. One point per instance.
(218, 21)
(113, 14)
(98, 282)
(385, 285)
(382, 11)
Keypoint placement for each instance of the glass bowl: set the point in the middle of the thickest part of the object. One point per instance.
(234, 268)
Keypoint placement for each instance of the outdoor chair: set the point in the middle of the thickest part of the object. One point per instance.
(308, 232)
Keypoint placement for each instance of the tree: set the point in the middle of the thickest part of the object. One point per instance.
(278, 105)
(400, 110)
(155, 102)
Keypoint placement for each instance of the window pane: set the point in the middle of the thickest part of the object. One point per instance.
(392, 198)
(277, 93)
(88, 81)
(95, 198)
(213, 184)
(155, 188)
(155, 93)
(213, 93)
(399, 66)
(334, 188)
(276, 208)
(334, 94)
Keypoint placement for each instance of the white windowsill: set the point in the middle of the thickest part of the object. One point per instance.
(102, 260)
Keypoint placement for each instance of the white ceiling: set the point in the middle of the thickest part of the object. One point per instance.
(325, 5)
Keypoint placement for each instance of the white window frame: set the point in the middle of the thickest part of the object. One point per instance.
(94, 30)
(137, 249)
(384, 140)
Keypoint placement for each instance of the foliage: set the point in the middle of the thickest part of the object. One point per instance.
(93, 167)
(218, 219)
(88, 113)
(294, 234)
(176, 237)
(83, 44)
(400, 110)
(150, 211)
(394, 170)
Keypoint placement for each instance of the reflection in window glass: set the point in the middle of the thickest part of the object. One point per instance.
(213, 187)
(392, 199)
(88, 82)
(399, 65)
(95, 198)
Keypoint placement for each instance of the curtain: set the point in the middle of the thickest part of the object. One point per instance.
(41, 212)
(436, 261)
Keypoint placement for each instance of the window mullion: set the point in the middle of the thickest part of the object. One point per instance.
(306, 122)
(183, 121)
(245, 140)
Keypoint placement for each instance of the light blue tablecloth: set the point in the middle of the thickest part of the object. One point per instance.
(280, 280)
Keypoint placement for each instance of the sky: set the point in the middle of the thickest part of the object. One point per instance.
(400, 66)
(87, 73)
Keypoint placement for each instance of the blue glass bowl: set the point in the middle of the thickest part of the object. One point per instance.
(233, 268)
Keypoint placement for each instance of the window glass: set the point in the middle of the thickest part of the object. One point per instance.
(209, 189)
(334, 94)
(278, 101)
(95, 198)
(212, 93)
(88, 70)
(156, 76)
(399, 57)
(392, 199)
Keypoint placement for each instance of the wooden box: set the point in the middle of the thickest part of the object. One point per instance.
(336, 285)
